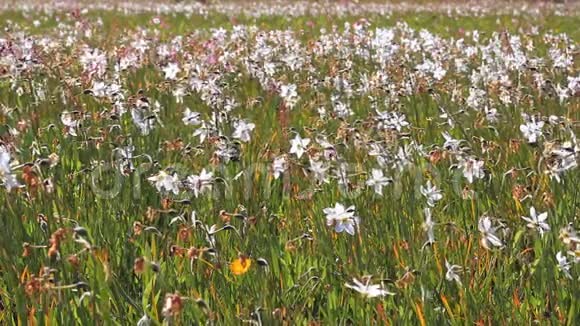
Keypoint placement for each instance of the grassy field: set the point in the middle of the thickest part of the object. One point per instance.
(248, 164)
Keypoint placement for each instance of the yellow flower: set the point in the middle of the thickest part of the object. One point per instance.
(240, 265)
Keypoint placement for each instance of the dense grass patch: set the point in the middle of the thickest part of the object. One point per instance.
(219, 168)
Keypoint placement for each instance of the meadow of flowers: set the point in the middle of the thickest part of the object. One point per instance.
(289, 163)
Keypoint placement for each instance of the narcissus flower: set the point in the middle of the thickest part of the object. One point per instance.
(536, 221)
(532, 130)
(299, 145)
(488, 237)
(191, 118)
(342, 218)
(378, 181)
(71, 125)
(428, 227)
(279, 166)
(472, 169)
(368, 290)
(243, 130)
(165, 182)
(201, 183)
(432, 194)
(171, 71)
(453, 272)
(6, 174)
(563, 264)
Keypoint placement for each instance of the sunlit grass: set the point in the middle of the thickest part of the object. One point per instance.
(76, 255)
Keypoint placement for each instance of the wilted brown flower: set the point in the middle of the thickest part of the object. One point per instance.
(177, 251)
(225, 216)
(514, 145)
(548, 199)
(435, 156)
(30, 177)
(33, 286)
(54, 242)
(519, 192)
(151, 214)
(139, 265)
(22, 125)
(166, 203)
(196, 253)
(173, 305)
(467, 193)
(174, 145)
(407, 279)
(73, 260)
(25, 249)
(184, 233)
(137, 228)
